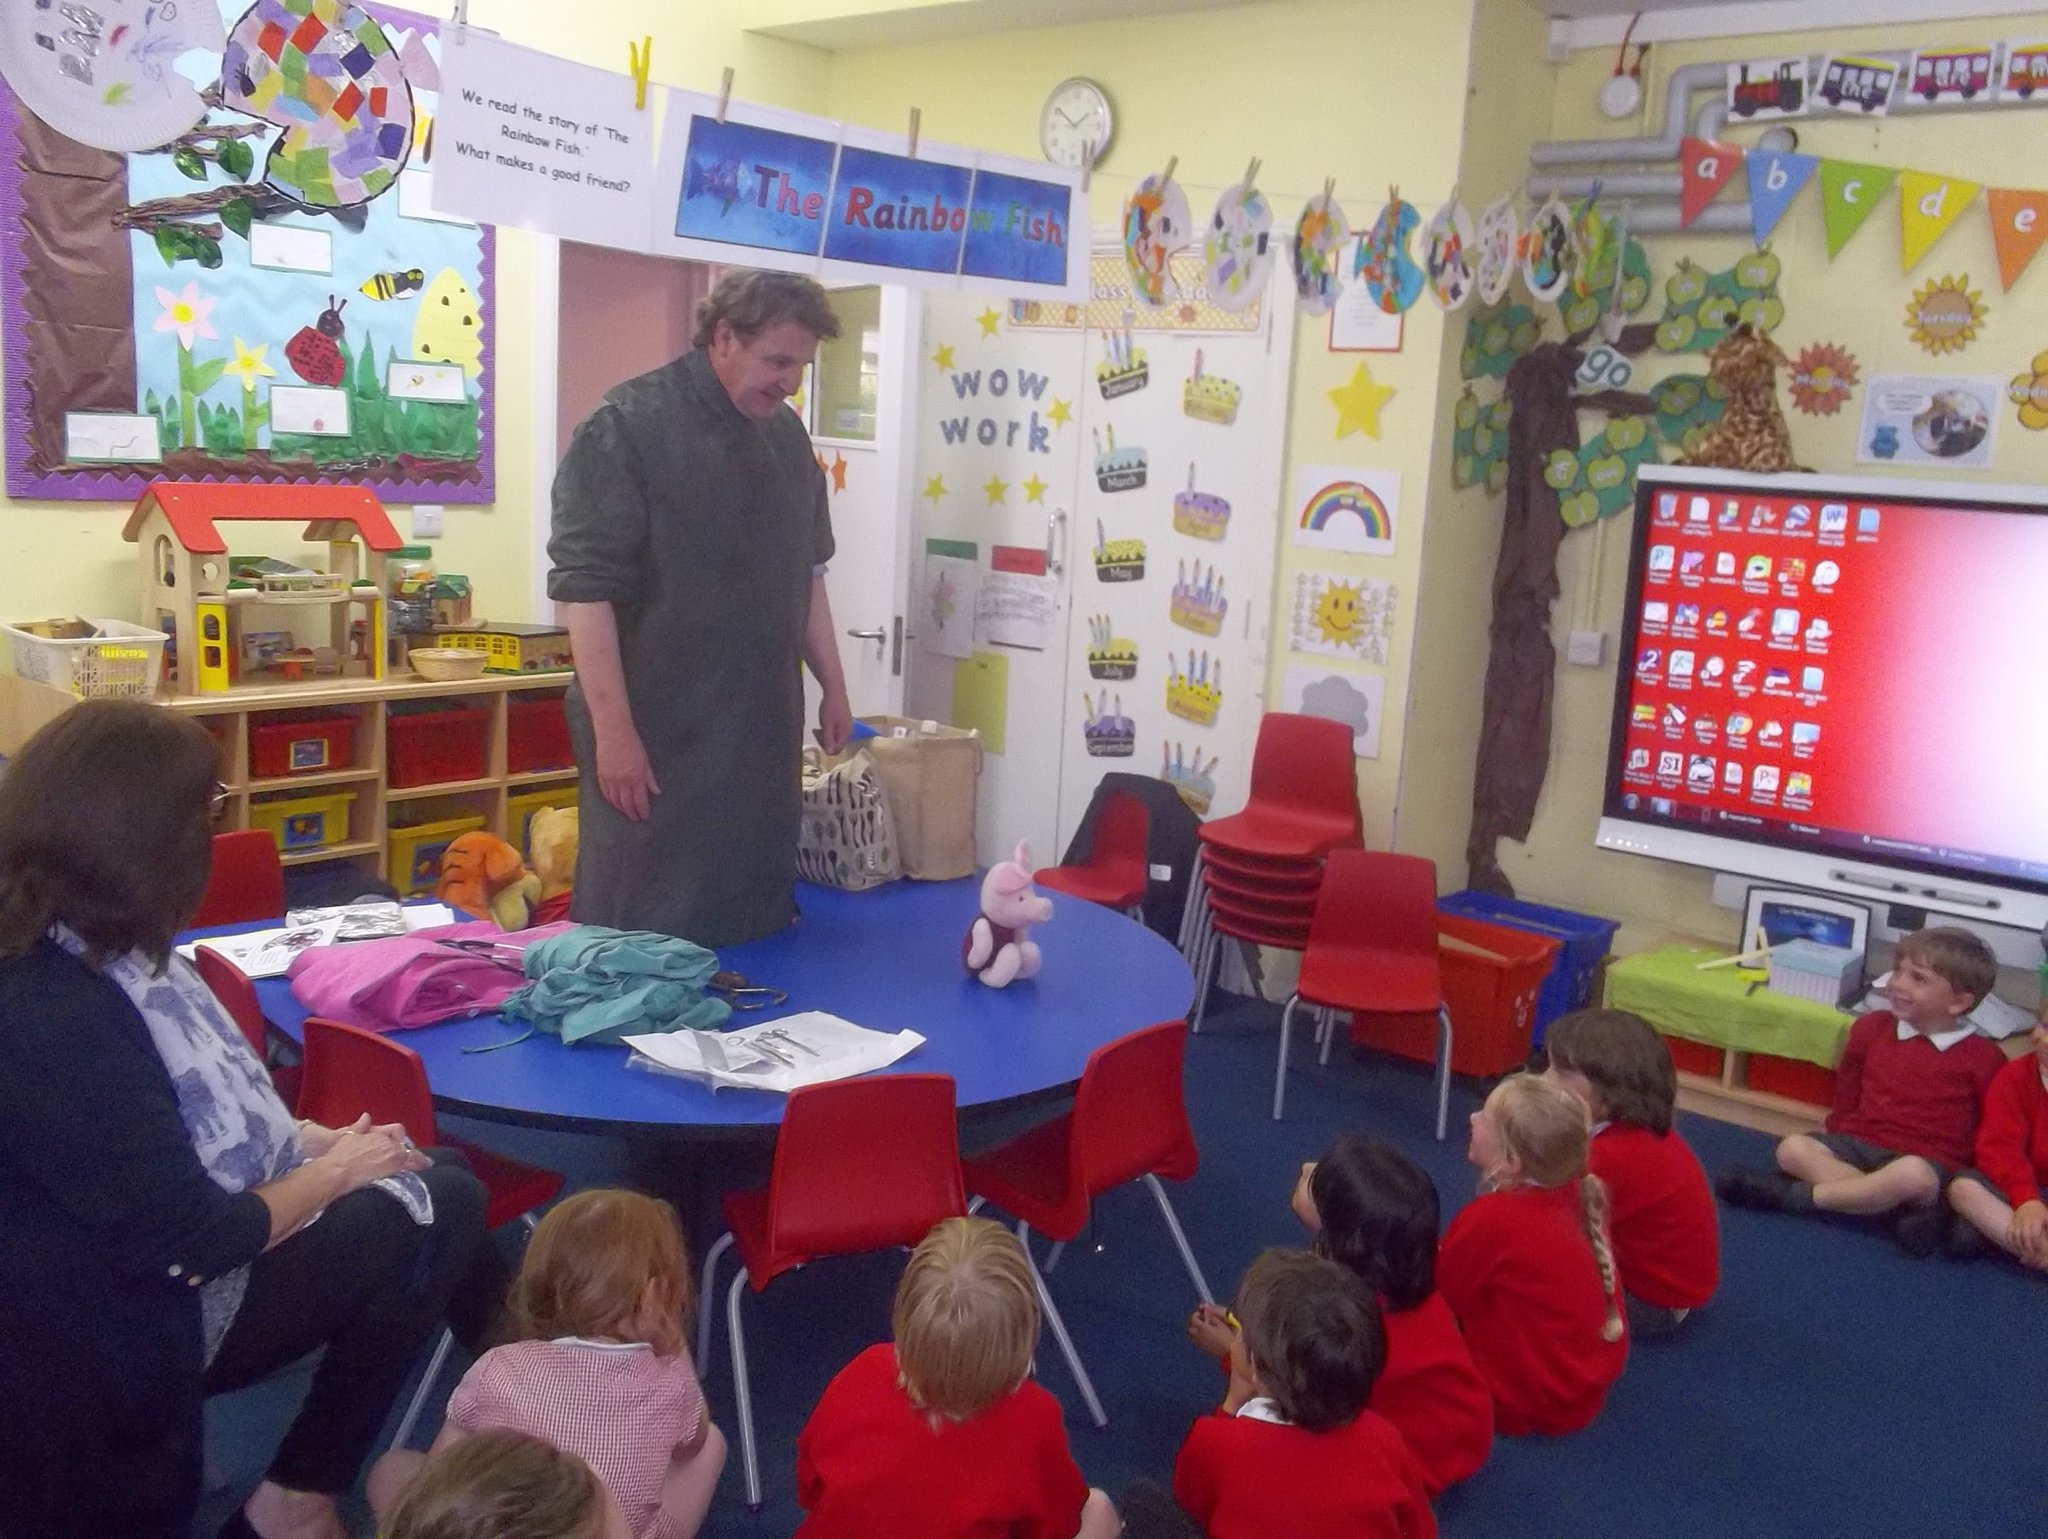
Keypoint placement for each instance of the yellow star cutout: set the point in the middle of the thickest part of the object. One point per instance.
(995, 486)
(1034, 489)
(935, 488)
(1358, 404)
(943, 357)
(1060, 413)
(988, 319)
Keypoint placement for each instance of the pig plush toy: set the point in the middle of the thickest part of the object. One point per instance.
(999, 948)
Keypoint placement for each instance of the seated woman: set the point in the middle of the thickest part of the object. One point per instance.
(158, 1240)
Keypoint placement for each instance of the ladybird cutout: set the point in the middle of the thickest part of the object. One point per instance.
(1156, 225)
(1448, 251)
(315, 352)
(1547, 251)
(1320, 236)
(1393, 281)
(1499, 236)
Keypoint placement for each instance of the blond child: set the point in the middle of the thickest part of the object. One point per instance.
(1528, 1267)
(505, 1485)
(943, 1431)
(601, 1370)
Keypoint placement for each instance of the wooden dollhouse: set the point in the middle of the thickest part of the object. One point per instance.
(239, 618)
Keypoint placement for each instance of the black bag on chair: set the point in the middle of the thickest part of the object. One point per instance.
(1171, 844)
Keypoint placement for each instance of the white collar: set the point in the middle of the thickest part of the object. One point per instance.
(601, 1346)
(1601, 1127)
(1262, 1408)
(1942, 1040)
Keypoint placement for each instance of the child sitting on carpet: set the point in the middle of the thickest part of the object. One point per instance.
(1296, 1449)
(505, 1485)
(1908, 1093)
(1528, 1266)
(1374, 1211)
(2001, 1197)
(1667, 1234)
(944, 1431)
(601, 1370)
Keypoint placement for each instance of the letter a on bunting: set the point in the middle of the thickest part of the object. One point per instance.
(1707, 167)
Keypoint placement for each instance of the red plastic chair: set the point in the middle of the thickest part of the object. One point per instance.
(349, 1071)
(1129, 1123)
(1304, 793)
(1373, 946)
(860, 1165)
(246, 883)
(237, 995)
(1115, 874)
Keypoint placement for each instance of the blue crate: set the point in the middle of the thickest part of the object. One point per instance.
(1584, 940)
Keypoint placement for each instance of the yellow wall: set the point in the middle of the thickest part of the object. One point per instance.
(1216, 88)
(69, 557)
(1859, 300)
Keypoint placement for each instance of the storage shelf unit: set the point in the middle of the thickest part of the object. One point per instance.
(25, 706)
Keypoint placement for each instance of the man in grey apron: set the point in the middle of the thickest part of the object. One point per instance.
(691, 532)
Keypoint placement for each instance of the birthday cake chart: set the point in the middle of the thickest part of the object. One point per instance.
(1123, 368)
(1117, 560)
(1185, 772)
(1110, 656)
(1210, 397)
(1108, 733)
(1196, 693)
(1198, 603)
(1117, 470)
(1201, 514)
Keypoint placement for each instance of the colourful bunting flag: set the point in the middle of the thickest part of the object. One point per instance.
(1848, 192)
(1706, 167)
(1776, 178)
(1928, 205)
(2019, 224)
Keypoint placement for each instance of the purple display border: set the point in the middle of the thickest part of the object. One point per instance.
(122, 485)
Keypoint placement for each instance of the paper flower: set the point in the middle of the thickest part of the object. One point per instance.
(2029, 392)
(1944, 316)
(186, 314)
(249, 366)
(1822, 377)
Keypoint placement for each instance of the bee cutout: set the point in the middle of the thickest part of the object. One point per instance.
(393, 285)
(315, 353)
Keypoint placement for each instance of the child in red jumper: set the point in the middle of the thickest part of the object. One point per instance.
(944, 1435)
(1908, 1093)
(1528, 1267)
(1296, 1451)
(2000, 1198)
(1374, 1211)
(1667, 1234)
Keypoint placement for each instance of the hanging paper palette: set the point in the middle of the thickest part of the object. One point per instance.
(103, 74)
(1237, 253)
(1320, 236)
(1547, 251)
(1156, 225)
(1393, 281)
(1448, 248)
(1499, 233)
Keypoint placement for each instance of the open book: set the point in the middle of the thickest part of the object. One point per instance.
(270, 953)
(784, 1055)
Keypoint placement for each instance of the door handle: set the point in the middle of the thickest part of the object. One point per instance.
(877, 634)
(1055, 542)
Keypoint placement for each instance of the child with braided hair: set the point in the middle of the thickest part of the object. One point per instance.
(1528, 1267)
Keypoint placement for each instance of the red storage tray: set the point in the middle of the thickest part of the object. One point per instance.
(301, 745)
(1690, 1057)
(433, 747)
(1492, 1000)
(537, 736)
(1793, 1078)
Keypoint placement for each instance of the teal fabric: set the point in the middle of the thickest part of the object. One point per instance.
(596, 984)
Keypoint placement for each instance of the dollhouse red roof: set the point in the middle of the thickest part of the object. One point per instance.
(195, 507)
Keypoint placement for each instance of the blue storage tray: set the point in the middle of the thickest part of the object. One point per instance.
(1584, 940)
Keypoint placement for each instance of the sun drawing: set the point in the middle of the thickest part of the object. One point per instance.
(1945, 315)
(1338, 615)
(1822, 377)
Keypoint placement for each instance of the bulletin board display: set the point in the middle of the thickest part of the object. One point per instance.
(268, 298)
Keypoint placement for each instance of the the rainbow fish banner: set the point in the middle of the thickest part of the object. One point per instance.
(1343, 508)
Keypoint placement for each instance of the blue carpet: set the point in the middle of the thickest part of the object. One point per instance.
(1835, 1387)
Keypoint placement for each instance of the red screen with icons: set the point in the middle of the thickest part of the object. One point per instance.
(1839, 672)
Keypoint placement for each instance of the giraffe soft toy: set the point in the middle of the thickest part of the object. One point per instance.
(998, 949)
(1751, 434)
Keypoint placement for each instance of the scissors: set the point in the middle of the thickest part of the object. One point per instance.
(497, 953)
(743, 995)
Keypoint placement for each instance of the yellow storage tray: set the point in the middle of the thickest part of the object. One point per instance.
(519, 811)
(304, 822)
(416, 851)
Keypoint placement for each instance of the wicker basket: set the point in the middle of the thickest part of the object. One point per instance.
(123, 662)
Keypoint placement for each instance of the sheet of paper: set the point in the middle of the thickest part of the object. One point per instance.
(306, 409)
(1015, 609)
(112, 436)
(981, 697)
(1357, 323)
(952, 582)
(416, 199)
(266, 953)
(1337, 616)
(809, 1048)
(408, 379)
(1930, 419)
(1356, 699)
(354, 921)
(291, 248)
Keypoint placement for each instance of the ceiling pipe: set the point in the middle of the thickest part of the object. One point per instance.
(1685, 82)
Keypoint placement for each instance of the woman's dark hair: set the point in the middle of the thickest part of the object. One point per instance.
(1623, 1059)
(750, 302)
(1314, 1335)
(104, 827)
(1379, 1215)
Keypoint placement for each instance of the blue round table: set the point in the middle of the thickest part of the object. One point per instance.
(886, 959)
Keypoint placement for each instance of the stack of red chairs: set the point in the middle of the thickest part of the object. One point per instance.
(1262, 867)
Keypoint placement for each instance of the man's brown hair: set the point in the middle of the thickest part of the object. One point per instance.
(966, 1318)
(1954, 955)
(105, 827)
(1624, 1060)
(1314, 1336)
(750, 302)
(500, 1484)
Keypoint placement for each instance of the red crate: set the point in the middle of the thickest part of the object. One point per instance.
(1793, 1078)
(435, 747)
(1694, 1057)
(303, 745)
(1492, 1000)
(537, 736)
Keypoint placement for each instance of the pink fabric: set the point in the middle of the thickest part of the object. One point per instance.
(413, 980)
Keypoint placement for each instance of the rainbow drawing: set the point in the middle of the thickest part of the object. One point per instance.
(1351, 514)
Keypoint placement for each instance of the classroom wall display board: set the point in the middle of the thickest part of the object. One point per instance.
(267, 297)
